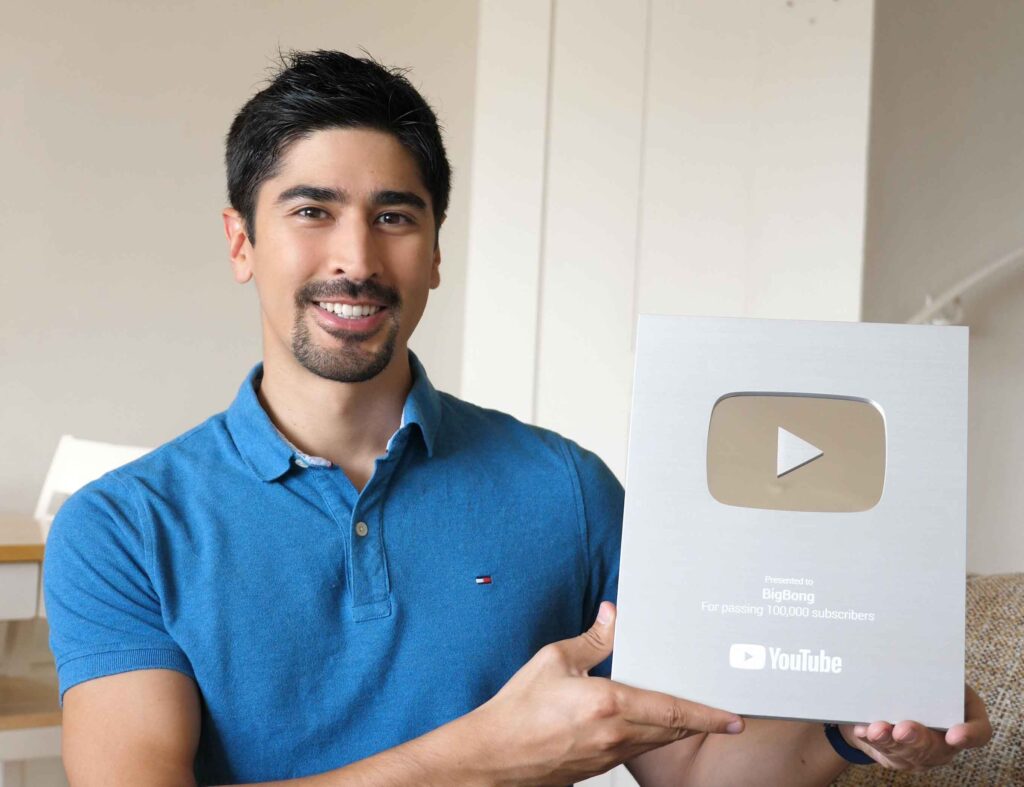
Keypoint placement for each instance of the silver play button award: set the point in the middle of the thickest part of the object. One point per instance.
(795, 523)
(768, 450)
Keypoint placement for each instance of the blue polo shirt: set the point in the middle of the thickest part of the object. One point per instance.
(320, 624)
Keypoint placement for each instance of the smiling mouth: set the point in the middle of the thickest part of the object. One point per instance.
(349, 311)
(351, 321)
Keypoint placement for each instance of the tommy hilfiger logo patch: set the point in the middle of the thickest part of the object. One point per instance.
(484, 579)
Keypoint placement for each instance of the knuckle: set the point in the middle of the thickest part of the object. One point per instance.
(675, 716)
(551, 656)
(610, 739)
(604, 704)
(593, 639)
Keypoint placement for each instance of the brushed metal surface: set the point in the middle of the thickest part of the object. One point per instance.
(887, 582)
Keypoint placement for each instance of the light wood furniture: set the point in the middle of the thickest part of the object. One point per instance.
(26, 703)
(21, 558)
(30, 714)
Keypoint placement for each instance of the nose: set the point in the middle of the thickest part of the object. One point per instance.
(353, 252)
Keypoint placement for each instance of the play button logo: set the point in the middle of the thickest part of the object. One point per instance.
(796, 452)
(793, 453)
(743, 655)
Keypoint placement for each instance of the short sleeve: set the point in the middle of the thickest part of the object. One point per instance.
(104, 615)
(603, 499)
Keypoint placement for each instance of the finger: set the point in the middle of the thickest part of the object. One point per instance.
(879, 733)
(909, 745)
(650, 736)
(958, 736)
(890, 755)
(594, 645)
(976, 729)
(919, 745)
(880, 745)
(653, 708)
(908, 733)
(878, 737)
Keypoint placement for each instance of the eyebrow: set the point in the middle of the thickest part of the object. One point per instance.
(316, 193)
(381, 198)
(413, 200)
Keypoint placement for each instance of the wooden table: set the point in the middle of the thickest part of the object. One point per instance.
(25, 703)
(20, 539)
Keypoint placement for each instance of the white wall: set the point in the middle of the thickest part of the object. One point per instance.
(506, 204)
(674, 157)
(946, 196)
(119, 319)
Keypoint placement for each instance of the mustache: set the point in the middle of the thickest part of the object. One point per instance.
(344, 288)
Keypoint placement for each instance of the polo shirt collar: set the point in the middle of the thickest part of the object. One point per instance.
(423, 405)
(269, 455)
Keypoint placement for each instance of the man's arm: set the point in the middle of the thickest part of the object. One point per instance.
(133, 728)
(551, 724)
(769, 752)
(773, 752)
(141, 729)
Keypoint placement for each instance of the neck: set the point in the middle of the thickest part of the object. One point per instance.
(347, 423)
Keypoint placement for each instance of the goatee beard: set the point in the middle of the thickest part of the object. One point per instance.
(350, 363)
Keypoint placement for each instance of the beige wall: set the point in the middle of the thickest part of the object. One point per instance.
(119, 320)
(946, 196)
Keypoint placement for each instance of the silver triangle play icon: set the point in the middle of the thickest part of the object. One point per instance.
(794, 452)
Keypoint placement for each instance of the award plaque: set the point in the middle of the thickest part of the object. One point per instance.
(794, 537)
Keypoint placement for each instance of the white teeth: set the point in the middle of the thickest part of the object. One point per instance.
(348, 311)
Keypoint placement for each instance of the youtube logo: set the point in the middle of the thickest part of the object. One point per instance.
(796, 452)
(746, 656)
(793, 453)
(743, 655)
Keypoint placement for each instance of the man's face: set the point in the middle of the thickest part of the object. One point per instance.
(345, 253)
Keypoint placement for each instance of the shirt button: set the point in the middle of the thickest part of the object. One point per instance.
(362, 529)
(300, 463)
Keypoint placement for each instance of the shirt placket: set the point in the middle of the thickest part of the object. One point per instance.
(369, 584)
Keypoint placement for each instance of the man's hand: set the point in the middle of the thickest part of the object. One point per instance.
(553, 724)
(911, 746)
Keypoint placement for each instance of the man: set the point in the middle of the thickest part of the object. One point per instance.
(348, 577)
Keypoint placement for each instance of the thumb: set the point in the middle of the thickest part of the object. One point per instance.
(595, 644)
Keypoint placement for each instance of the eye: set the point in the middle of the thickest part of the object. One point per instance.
(311, 213)
(394, 218)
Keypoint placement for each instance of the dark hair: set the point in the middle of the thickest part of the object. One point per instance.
(326, 89)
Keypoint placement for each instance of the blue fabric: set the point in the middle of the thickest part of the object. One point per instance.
(219, 555)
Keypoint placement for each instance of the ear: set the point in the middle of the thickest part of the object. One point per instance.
(239, 248)
(435, 265)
